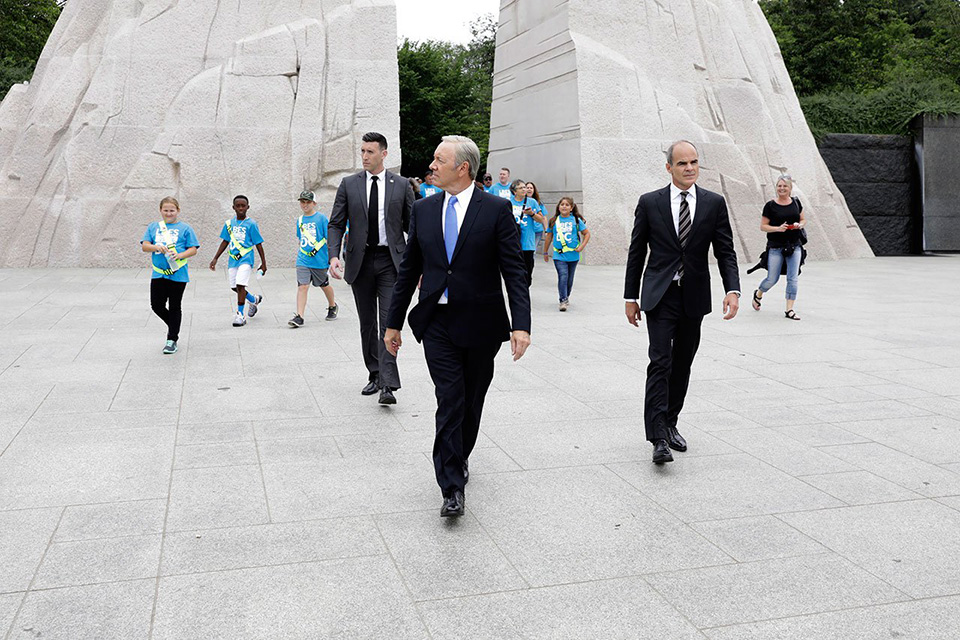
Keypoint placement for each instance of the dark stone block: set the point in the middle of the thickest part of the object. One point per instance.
(887, 235)
(860, 141)
(878, 199)
(941, 233)
(868, 165)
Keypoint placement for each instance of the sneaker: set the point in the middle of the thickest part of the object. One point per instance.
(169, 348)
(332, 312)
(563, 305)
(239, 320)
(252, 307)
(296, 321)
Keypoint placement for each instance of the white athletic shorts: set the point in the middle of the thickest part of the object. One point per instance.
(240, 275)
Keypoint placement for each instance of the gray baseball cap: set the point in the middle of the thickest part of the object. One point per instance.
(307, 195)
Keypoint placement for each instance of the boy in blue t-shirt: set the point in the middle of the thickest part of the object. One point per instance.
(428, 189)
(312, 258)
(241, 234)
(172, 243)
(566, 235)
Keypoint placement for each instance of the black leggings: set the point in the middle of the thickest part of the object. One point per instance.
(162, 290)
(528, 263)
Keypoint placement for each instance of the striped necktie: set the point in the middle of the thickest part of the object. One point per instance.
(684, 226)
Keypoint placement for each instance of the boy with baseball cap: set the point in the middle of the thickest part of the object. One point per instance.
(312, 258)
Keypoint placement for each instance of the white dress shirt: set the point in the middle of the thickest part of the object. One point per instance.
(381, 196)
(460, 206)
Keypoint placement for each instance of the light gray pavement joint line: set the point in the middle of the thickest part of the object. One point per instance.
(33, 580)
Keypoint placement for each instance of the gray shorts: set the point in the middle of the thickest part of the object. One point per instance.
(309, 275)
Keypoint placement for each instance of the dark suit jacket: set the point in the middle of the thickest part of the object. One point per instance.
(653, 228)
(351, 204)
(487, 248)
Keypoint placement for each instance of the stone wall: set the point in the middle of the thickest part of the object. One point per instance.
(878, 178)
(134, 100)
(937, 142)
(588, 94)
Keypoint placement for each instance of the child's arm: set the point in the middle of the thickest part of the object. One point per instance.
(547, 245)
(213, 263)
(263, 259)
(585, 238)
(189, 253)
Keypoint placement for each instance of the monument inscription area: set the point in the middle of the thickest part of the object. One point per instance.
(588, 95)
(134, 101)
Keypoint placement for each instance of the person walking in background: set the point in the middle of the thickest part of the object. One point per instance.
(782, 221)
(534, 195)
(465, 248)
(241, 234)
(377, 203)
(487, 182)
(172, 243)
(428, 189)
(566, 237)
(676, 225)
(415, 185)
(502, 189)
(526, 212)
(312, 259)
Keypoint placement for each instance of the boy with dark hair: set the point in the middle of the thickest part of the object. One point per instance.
(312, 258)
(241, 235)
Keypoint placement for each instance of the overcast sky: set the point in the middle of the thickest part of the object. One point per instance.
(441, 19)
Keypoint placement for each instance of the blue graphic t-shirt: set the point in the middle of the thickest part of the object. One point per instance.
(180, 234)
(537, 227)
(314, 230)
(499, 190)
(247, 234)
(427, 190)
(569, 228)
(528, 237)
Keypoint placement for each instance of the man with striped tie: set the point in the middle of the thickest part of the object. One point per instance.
(676, 225)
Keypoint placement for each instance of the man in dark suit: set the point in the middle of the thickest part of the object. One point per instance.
(676, 224)
(377, 203)
(461, 242)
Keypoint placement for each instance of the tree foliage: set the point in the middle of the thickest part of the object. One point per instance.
(869, 66)
(25, 26)
(445, 89)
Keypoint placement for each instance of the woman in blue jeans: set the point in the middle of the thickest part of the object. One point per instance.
(782, 221)
(566, 235)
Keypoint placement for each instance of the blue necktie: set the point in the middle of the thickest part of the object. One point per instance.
(450, 233)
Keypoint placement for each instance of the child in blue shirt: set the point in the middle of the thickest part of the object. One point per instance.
(566, 235)
(526, 213)
(241, 234)
(312, 258)
(172, 243)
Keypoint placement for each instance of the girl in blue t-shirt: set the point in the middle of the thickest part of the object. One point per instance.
(526, 212)
(172, 243)
(567, 235)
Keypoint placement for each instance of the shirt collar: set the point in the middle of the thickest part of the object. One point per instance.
(463, 198)
(675, 192)
(379, 175)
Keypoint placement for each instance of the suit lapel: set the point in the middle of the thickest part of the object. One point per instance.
(701, 212)
(468, 219)
(360, 184)
(438, 209)
(667, 214)
(388, 185)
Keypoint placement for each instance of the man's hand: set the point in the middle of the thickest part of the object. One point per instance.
(633, 313)
(392, 341)
(336, 269)
(731, 304)
(519, 341)
(213, 265)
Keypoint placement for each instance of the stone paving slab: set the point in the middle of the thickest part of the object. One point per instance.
(243, 488)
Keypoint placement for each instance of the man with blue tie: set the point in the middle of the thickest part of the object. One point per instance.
(464, 244)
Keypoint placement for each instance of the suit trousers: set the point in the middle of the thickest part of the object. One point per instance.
(372, 291)
(674, 338)
(461, 376)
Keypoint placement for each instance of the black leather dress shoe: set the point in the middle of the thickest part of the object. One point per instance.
(371, 388)
(675, 440)
(466, 471)
(661, 452)
(387, 397)
(453, 506)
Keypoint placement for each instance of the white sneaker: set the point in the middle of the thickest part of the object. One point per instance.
(252, 307)
(239, 320)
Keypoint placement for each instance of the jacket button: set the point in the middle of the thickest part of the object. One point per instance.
(449, 272)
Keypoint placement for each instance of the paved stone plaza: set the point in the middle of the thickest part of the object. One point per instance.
(243, 488)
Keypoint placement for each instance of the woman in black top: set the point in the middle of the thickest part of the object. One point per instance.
(782, 220)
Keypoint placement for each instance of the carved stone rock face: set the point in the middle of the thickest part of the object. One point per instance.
(588, 95)
(134, 101)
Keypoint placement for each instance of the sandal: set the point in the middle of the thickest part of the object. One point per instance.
(756, 300)
(791, 315)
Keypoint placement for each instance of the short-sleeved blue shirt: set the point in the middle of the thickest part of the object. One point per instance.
(570, 229)
(180, 234)
(502, 191)
(314, 230)
(528, 237)
(537, 227)
(427, 190)
(247, 234)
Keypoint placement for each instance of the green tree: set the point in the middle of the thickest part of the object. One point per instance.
(25, 26)
(445, 89)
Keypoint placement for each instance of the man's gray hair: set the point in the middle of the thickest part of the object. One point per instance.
(466, 150)
(674, 146)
